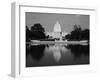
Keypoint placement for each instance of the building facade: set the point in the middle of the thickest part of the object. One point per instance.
(57, 33)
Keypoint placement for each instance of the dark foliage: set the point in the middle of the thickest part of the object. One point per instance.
(28, 33)
(37, 32)
(78, 34)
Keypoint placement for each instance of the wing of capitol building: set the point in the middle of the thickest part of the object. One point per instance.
(57, 33)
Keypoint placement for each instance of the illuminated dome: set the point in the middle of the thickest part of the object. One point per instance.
(57, 27)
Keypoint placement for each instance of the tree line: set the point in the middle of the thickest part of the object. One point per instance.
(37, 32)
(78, 34)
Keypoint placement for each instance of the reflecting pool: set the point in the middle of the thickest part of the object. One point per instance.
(56, 54)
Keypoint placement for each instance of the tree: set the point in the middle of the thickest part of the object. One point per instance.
(37, 32)
(78, 34)
(85, 34)
(68, 37)
(27, 34)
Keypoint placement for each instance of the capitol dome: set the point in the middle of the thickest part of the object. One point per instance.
(57, 27)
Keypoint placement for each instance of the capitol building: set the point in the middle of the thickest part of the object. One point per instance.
(56, 33)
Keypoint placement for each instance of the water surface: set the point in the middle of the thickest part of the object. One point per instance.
(56, 54)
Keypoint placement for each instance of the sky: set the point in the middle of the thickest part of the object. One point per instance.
(48, 20)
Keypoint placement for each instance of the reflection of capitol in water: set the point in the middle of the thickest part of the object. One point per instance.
(57, 33)
(57, 54)
(57, 51)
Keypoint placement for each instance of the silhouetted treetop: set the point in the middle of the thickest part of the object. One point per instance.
(78, 34)
(37, 31)
(37, 27)
(27, 34)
